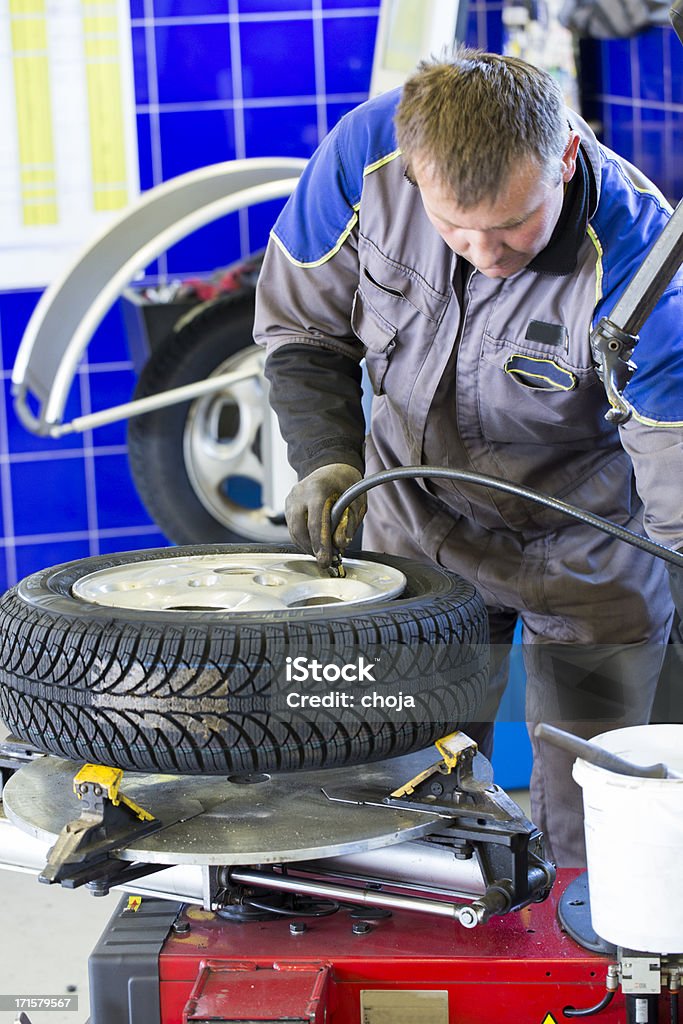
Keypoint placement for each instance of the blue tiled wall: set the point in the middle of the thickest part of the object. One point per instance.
(221, 79)
(633, 92)
(214, 80)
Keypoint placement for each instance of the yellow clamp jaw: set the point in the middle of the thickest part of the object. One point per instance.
(85, 850)
(454, 749)
(105, 781)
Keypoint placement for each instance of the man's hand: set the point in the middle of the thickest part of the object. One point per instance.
(308, 507)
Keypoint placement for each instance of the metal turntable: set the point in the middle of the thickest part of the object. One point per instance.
(473, 852)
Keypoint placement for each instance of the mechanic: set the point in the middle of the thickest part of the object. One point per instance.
(463, 235)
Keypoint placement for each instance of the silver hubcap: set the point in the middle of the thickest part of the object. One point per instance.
(230, 583)
(221, 448)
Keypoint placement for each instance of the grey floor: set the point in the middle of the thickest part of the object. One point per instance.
(46, 935)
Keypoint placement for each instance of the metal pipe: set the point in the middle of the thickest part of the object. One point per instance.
(652, 277)
(20, 851)
(674, 989)
(71, 333)
(411, 863)
(676, 18)
(468, 914)
(140, 406)
(600, 757)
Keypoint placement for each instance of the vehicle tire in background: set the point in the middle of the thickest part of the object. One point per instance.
(190, 691)
(197, 465)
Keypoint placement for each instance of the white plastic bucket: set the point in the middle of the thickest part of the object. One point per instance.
(634, 841)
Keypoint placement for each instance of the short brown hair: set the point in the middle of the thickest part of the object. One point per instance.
(473, 116)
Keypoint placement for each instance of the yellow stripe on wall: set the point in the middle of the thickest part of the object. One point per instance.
(105, 108)
(29, 33)
(28, 26)
(31, 176)
(100, 24)
(101, 47)
(34, 194)
(19, 7)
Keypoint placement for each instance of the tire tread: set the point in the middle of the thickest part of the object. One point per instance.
(140, 691)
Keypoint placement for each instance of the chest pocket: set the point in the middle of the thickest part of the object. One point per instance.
(394, 315)
(532, 395)
(537, 380)
(540, 373)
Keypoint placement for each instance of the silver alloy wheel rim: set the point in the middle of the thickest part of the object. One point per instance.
(221, 441)
(234, 583)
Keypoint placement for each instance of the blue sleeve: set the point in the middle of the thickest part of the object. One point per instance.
(323, 209)
(628, 223)
(656, 389)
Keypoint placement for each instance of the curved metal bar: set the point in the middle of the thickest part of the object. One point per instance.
(72, 307)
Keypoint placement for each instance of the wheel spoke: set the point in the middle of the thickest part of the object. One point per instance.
(212, 459)
(221, 435)
(214, 463)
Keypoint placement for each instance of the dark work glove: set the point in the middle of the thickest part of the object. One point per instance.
(308, 507)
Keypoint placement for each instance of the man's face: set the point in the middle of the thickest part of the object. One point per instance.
(501, 236)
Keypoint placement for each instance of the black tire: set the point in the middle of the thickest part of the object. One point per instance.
(194, 693)
(214, 338)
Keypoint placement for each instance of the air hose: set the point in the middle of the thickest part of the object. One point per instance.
(590, 1011)
(496, 484)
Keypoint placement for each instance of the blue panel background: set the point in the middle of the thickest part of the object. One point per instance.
(632, 93)
(216, 80)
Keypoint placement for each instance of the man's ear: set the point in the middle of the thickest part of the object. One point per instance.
(569, 156)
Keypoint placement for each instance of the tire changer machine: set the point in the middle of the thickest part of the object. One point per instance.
(412, 889)
(408, 890)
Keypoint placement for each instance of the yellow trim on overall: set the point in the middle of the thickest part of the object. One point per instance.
(347, 230)
(380, 163)
(328, 255)
(656, 423)
(656, 194)
(541, 376)
(598, 267)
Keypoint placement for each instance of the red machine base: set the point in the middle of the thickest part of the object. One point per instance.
(409, 968)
